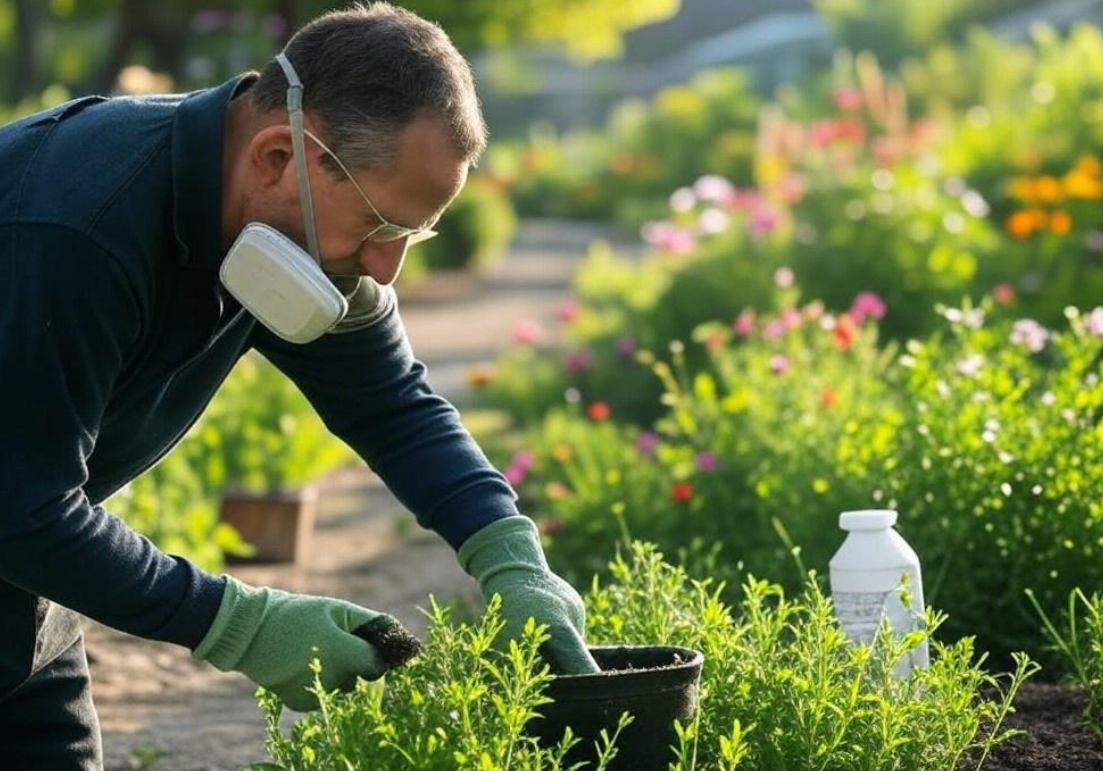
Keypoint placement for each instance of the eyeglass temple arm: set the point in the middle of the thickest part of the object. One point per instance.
(298, 145)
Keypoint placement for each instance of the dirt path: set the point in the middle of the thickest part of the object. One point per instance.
(159, 709)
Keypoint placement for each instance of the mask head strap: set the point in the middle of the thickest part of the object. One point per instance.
(298, 146)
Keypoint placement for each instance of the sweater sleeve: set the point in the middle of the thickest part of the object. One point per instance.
(372, 393)
(68, 315)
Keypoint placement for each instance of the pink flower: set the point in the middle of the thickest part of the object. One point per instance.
(744, 323)
(867, 304)
(569, 310)
(791, 318)
(667, 235)
(779, 363)
(515, 475)
(523, 459)
(706, 461)
(527, 332)
(1094, 322)
(1004, 294)
(763, 221)
(783, 277)
(823, 132)
(626, 346)
(847, 99)
(775, 328)
(742, 200)
(646, 443)
(577, 361)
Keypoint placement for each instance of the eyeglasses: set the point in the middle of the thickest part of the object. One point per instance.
(384, 232)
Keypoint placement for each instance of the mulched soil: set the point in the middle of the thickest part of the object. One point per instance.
(1057, 739)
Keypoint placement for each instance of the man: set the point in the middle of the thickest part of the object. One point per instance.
(115, 331)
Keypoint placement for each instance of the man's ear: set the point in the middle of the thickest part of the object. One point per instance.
(271, 154)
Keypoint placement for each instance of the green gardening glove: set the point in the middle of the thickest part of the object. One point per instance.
(270, 636)
(506, 558)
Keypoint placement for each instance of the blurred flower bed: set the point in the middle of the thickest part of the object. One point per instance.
(899, 307)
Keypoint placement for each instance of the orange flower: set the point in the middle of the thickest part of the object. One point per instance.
(1048, 189)
(827, 398)
(1021, 223)
(1024, 189)
(1088, 164)
(562, 452)
(598, 412)
(681, 492)
(1060, 222)
(845, 332)
(556, 491)
(480, 377)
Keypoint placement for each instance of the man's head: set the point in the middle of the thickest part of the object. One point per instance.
(389, 95)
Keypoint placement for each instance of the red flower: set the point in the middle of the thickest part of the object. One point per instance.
(827, 398)
(681, 492)
(598, 411)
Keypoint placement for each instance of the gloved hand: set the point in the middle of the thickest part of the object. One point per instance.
(506, 558)
(270, 636)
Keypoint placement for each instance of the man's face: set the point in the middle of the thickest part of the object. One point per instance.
(427, 176)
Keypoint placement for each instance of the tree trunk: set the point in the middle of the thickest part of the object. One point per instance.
(131, 26)
(26, 77)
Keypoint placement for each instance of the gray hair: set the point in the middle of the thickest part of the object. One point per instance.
(368, 71)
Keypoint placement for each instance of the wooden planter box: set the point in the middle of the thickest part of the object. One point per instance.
(280, 525)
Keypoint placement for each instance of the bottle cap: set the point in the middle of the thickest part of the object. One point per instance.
(867, 519)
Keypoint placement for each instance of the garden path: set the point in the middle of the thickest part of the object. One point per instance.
(159, 709)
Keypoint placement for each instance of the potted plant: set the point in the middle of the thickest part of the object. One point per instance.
(262, 446)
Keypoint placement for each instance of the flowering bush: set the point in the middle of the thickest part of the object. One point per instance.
(986, 438)
(645, 150)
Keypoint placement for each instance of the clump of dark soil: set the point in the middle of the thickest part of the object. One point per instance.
(395, 643)
(1056, 739)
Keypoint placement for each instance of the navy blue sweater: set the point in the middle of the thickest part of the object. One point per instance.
(114, 335)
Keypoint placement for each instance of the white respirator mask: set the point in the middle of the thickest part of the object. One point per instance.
(272, 277)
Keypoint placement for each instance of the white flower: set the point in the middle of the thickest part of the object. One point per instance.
(1030, 334)
(682, 199)
(713, 220)
(970, 365)
(713, 187)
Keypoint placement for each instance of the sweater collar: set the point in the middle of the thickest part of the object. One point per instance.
(197, 137)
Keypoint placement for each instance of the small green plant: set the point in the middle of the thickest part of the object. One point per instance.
(1082, 648)
(463, 705)
(783, 688)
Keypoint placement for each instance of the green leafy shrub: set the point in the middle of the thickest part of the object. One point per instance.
(781, 688)
(1082, 650)
(460, 705)
(170, 505)
(260, 434)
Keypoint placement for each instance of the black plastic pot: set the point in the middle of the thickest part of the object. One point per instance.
(656, 684)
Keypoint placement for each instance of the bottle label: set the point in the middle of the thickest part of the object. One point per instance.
(860, 613)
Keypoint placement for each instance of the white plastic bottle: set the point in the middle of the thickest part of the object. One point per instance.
(871, 575)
